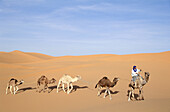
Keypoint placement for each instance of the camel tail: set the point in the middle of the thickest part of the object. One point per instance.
(96, 85)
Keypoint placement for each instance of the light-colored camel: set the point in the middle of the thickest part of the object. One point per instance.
(13, 84)
(43, 80)
(139, 83)
(66, 79)
(105, 82)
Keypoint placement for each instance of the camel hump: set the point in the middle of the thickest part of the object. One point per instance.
(12, 79)
(105, 78)
(43, 76)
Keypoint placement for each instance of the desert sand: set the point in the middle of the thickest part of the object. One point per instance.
(30, 66)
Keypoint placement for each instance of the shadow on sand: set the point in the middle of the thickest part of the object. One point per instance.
(136, 96)
(103, 91)
(51, 88)
(111, 92)
(25, 89)
(75, 88)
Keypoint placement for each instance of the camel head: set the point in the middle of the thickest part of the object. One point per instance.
(116, 79)
(147, 76)
(52, 81)
(78, 77)
(20, 82)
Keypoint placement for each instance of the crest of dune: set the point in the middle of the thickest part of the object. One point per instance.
(22, 57)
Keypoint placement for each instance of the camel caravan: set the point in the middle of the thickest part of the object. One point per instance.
(137, 83)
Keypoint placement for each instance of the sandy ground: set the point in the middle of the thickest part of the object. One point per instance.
(30, 66)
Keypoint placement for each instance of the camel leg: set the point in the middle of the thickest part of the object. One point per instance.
(139, 94)
(71, 87)
(45, 87)
(129, 95)
(135, 84)
(142, 94)
(109, 94)
(63, 88)
(38, 88)
(58, 85)
(105, 94)
(98, 94)
(14, 90)
(133, 93)
(7, 89)
(68, 88)
(11, 89)
(48, 89)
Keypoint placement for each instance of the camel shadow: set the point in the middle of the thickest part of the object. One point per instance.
(75, 87)
(52, 87)
(111, 92)
(25, 89)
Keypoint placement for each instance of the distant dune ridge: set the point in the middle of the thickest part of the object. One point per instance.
(22, 57)
(30, 66)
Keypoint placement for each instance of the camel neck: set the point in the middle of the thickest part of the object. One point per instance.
(19, 83)
(114, 83)
(146, 79)
(74, 79)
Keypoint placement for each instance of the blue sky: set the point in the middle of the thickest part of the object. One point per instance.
(84, 27)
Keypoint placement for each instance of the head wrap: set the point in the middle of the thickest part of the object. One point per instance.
(134, 68)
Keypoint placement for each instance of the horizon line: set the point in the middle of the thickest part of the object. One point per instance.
(83, 55)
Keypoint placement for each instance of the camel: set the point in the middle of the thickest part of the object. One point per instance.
(105, 82)
(13, 83)
(66, 79)
(139, 83)
(43, 80)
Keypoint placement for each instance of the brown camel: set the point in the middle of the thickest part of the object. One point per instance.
(139, 83)
(43, 80)
(13, 83)
(105, 82)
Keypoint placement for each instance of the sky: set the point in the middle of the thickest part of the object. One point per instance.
(85, 27)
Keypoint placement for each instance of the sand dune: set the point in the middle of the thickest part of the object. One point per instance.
(21, 57)
(41, 56)
(30, 66)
